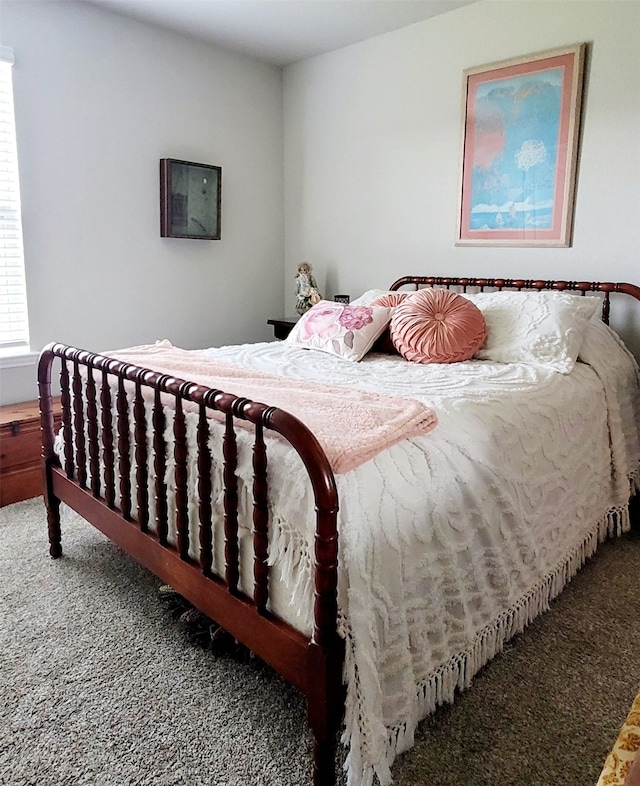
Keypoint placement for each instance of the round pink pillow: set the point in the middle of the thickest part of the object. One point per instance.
(437, 326)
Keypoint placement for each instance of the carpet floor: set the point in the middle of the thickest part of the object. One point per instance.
(101, 684)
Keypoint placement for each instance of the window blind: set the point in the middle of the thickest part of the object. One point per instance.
(14, 325)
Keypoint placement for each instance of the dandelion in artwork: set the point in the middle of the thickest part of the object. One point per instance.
(531, 152)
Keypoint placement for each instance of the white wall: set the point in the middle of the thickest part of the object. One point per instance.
(99, 100)
(373, 141)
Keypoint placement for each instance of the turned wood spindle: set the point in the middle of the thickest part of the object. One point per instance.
(606, 307)
(92, 432)
(78, 425)
(204, 491)
(231, 551)
(141, 454)
(180, 456)
(159, 421)
(124, 449)
(67, 429)
(260, 521)
(108, 456)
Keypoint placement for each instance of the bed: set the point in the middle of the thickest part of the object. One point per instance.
(376, 576)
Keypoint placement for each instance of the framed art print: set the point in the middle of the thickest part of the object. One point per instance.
(190, 199)
(520, 140)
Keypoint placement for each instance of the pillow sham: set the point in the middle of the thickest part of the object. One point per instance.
(367, 298)
(544, 328)
(347, 331)
(437, 326)
(384, 344)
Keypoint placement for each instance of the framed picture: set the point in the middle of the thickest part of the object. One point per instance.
(521, 123)
(190, 199)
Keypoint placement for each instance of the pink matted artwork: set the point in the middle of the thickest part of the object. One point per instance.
(520, 143)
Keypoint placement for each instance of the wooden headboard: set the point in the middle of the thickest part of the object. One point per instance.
(481, 284)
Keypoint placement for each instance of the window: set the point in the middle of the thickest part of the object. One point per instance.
(14, 324)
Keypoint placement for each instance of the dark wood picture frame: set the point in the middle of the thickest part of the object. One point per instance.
(190, 199)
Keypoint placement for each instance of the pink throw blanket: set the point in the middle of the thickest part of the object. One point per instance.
(351, 425)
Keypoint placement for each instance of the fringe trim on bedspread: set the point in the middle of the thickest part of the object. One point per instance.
(458, 672)
(295, 566)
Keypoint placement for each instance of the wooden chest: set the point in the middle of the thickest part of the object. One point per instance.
(20, 449)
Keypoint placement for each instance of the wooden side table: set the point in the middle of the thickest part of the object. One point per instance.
(20, 449)
(282, 326)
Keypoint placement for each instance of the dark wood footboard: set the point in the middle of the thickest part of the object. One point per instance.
(104, 402)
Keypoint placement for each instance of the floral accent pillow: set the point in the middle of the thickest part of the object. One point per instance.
(347, 331)
(544, 328)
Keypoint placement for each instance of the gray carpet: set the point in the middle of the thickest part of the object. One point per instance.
(100, 683)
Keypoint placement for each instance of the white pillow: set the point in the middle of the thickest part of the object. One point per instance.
(347, 331)
(367, 298)
(544, 328)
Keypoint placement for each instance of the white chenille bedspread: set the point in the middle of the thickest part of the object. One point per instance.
(451, 543)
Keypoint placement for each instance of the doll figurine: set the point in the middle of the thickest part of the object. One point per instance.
(307, 293)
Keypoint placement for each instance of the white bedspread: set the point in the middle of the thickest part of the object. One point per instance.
(451, 543)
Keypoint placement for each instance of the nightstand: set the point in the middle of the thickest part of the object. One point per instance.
(282, 327)
(20, 449)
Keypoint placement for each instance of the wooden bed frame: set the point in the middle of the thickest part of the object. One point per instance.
(313, 664)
